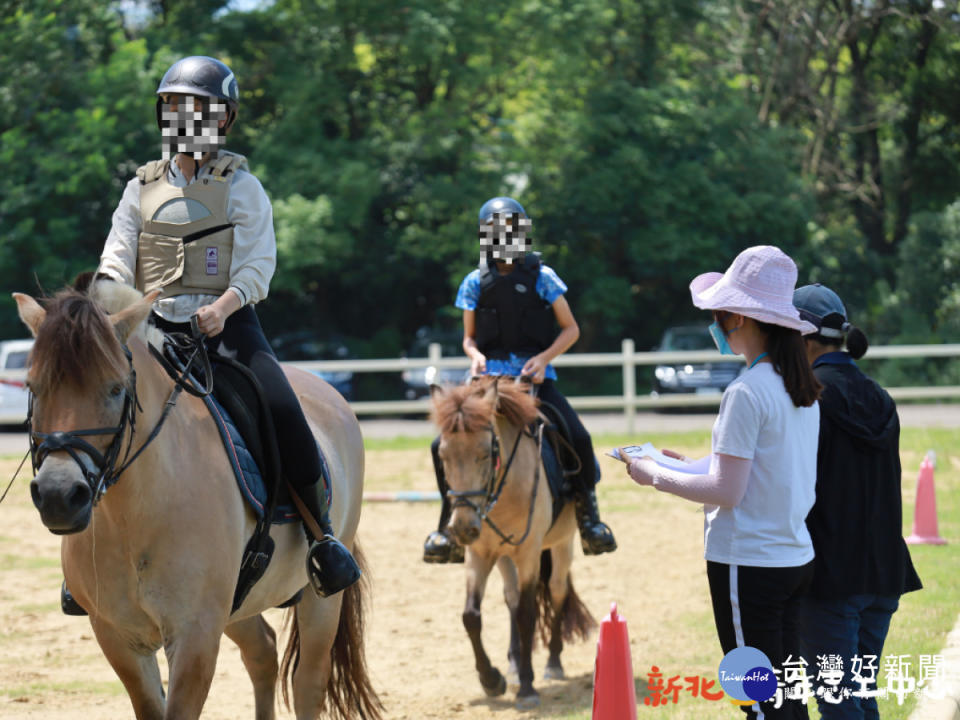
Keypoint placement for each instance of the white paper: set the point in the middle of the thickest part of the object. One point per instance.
(648, 450)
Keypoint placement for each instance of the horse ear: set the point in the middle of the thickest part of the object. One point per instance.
(127, 320)
(490, 395)
(436, 391)
(30, 312)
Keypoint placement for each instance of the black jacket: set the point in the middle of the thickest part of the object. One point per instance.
(856, 521)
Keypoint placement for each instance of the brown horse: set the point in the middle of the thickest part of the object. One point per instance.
(502, 512)
(155, 560)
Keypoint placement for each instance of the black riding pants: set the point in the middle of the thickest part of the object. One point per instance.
(243, 340)
(584, 481)
(759, 607)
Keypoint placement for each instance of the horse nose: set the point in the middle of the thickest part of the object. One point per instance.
(465, 531)
(62, 505)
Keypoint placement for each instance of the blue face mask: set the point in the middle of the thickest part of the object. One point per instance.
(720, 339)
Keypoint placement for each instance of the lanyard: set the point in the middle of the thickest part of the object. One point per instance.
(757, 359)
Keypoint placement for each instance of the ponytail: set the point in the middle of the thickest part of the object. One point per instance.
(857, 343)
(788, 354)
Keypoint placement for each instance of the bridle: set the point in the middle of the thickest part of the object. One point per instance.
(492, 490)
(106, 473)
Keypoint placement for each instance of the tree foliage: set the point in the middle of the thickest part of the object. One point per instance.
(649, 140)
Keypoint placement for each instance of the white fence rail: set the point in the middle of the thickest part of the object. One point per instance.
(628, 359)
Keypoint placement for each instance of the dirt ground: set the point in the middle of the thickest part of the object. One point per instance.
(419, 656)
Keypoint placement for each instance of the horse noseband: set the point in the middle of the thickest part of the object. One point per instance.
(104, 475)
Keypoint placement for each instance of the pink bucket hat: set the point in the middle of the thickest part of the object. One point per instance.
(759, 284)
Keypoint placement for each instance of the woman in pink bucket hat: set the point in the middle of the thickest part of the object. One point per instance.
(757, 485)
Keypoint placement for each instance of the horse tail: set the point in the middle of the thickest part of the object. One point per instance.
(349, 692)
(576, 622)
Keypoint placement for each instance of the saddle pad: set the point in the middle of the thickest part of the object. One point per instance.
(245, 469)
(559, 487)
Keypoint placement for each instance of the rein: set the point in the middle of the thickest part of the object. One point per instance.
(105, 473)
(461, 498)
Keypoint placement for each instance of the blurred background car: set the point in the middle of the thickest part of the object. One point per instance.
(304, 345)
(709, 378)
(416, 383)
(13, 393)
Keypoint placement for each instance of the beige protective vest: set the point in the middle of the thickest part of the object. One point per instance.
(186, 241)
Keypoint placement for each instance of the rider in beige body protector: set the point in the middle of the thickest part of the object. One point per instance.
(198, 225)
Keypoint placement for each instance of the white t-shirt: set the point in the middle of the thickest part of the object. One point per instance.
(758, 420)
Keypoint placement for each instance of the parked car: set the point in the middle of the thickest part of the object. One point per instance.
(416, 383)
(13, 393)
(709, 378)
(304, 345)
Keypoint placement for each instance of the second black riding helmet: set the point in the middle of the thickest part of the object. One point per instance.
(202, 76)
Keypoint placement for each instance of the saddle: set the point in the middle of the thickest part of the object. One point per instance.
(237, 403)
(560, 460)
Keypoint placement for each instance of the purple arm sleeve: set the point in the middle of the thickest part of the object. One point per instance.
(725, 488)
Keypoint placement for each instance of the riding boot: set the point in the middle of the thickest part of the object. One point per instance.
(595, 537)
(330, 566)
(440, 547)
(68, 605)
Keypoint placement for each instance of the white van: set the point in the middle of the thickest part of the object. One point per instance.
(13, 392)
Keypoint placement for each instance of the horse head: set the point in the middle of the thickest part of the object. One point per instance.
(472, 420)
(82, 400)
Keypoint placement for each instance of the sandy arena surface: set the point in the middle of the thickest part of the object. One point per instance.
(419, 656)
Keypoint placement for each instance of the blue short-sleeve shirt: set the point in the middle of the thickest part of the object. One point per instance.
(549, 287)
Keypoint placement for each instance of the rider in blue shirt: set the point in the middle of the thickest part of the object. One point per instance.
(512, 305)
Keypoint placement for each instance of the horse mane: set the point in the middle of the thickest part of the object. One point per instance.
(464, 408)
(76, 344)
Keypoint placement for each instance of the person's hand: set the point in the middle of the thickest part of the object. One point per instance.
(210, 320)
(641, 470)
(535, 368)
(478, 364)
(675, 455)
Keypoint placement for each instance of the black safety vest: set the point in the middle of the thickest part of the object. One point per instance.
(511, 316)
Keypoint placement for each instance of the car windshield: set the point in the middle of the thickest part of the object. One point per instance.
(17, 360)
(687, 339)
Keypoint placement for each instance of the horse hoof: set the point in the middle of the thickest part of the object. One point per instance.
(553, 672)
(497, 687)
(528, 702)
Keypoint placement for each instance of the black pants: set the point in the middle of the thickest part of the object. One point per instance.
(243, 340)
(585, 480)
(759, 607)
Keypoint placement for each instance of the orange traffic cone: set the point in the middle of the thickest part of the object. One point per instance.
(925, 512)
(614, 696)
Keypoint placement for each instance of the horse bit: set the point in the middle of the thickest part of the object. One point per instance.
(461, 498)
(105, 474)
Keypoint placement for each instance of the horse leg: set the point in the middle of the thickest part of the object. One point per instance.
(529, 574)
(511, 596)
(317, 620)
(562, 557)
(192, 659)
(478, 570)
(258, 649)
(138, 671)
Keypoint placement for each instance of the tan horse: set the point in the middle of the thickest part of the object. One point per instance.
(502, 512)
(155, 561)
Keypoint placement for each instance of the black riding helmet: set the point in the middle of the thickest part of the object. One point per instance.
(203, 76)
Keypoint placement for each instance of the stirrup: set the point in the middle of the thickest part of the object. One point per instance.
(68, 604)
(330, 566)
